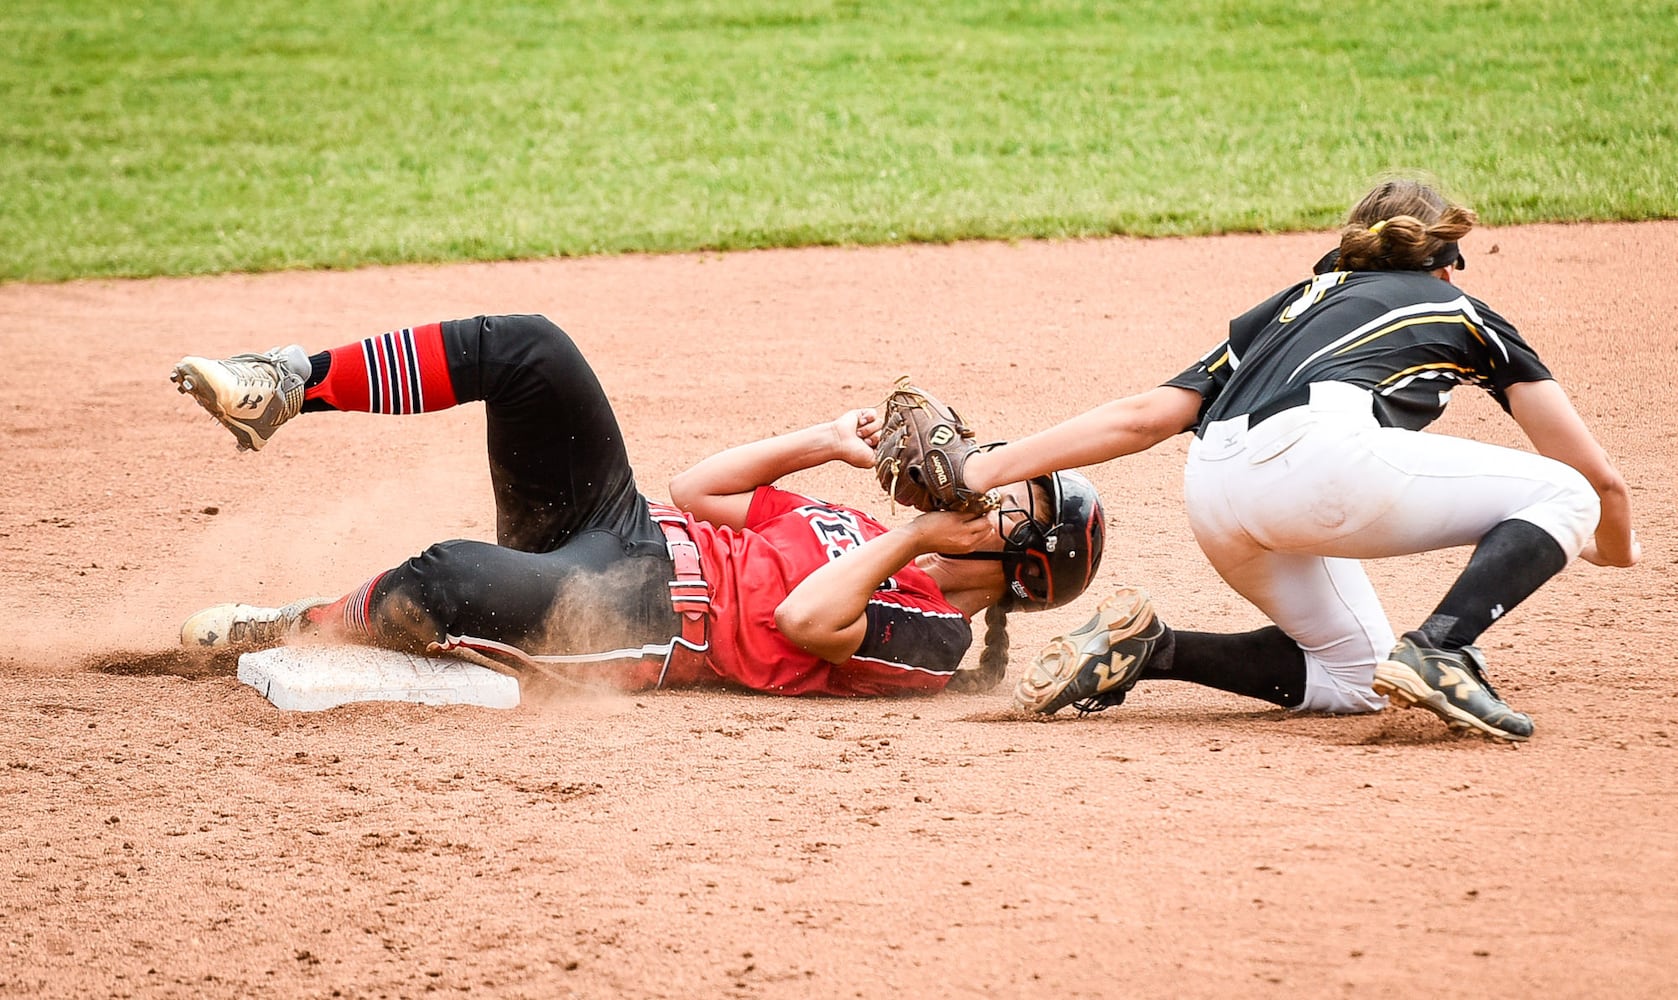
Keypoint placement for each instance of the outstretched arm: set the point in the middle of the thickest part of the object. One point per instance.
(1556, 430)
(1111, 430)
(825, 615)
(719, 489)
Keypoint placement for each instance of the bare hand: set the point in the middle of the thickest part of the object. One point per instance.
(952, 533)
(1591, 554)
(855, 433)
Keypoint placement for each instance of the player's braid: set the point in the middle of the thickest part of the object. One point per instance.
(993, 661)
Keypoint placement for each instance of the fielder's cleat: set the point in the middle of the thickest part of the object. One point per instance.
(1094, 666)
(251, 394)
(1450, 683)
(245, 627)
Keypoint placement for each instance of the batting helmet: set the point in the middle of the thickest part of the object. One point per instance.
(1048, 561)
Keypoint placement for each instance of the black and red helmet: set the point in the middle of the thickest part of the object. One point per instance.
(1049, 560)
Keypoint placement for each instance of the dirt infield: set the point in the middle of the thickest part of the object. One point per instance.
(167, 833)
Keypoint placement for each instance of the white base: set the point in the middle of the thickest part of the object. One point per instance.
(312, 678)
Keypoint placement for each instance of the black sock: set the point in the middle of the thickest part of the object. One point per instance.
(1265, 664)
(319, 365)
(1511, 561)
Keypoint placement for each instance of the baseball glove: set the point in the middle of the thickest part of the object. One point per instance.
(923, 446)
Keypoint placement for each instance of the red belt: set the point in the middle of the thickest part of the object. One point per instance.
(689, 594)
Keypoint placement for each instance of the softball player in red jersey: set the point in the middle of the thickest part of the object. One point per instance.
(746, 585)
(1307, 459)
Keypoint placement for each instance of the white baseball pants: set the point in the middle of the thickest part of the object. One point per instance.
(1284, 511)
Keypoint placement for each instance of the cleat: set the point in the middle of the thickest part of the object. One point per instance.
(1094, 666)
(250, 394)
(1450, 683)
(246, 627)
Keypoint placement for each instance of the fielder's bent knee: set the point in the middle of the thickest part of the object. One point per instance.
(1570, 513)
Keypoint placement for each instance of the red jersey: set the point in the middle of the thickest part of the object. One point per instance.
(915, 638)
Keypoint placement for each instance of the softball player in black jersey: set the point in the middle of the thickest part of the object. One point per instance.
(1306, 459)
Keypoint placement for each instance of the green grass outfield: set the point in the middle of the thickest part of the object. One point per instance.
(191, 136)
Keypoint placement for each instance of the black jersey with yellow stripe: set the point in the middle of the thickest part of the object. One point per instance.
(1405, 335)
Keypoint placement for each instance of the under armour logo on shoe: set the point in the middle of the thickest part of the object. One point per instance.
(250, 401)
(1460, 682)
(1109, 673)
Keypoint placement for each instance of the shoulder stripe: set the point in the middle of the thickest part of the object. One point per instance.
(1413, 321)
(1439, 310)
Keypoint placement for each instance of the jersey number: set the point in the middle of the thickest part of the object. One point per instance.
(838, 532)
(1312, 294)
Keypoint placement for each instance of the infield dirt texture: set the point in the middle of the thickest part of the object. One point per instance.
(176, 836)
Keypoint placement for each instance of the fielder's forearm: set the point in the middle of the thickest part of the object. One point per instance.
(1550, 421)
(1616, 543)
(1112, 430)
